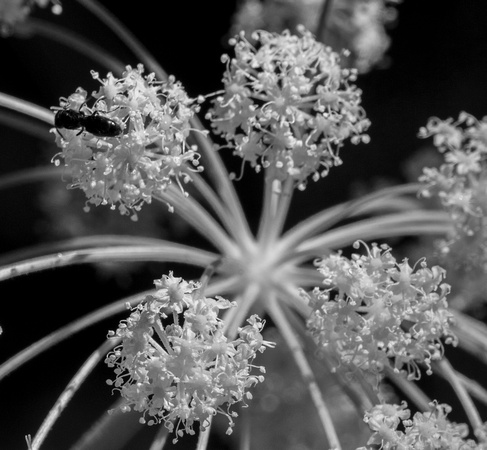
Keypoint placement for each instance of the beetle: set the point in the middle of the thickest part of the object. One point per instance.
(96, 124)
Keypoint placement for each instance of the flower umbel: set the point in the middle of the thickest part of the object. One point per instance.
(288, 106)
(357, 25)
(460, 184)
(377, 312)
(149, 154)
(425, 430)
(185, 370)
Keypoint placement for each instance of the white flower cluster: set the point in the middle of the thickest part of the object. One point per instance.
(184, 370)
(359, 26)
(394, 429)
(145, 157)
(460, 184)
(376, 312)
(288, 106)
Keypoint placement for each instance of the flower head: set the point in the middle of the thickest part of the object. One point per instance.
(288, 106)
(425, 430)
(185, 370)
(359, 26)
(460, 183)
(148, 154)
(377, 312)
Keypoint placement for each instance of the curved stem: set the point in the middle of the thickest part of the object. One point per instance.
(30, 175)
(402, 224)
(471, 333)
(110, 431)
(451, 376)
(86, 321)
(193, 213)
(67, 331)
(378, 201)
(411, 390)
(78, 43)
(297, 352)
(70, 390)
(78, 243)
(165, 252)
(216, 167)
(324, 16)
(124, 34)
(27, 108)
(234, 227)
(26, 126)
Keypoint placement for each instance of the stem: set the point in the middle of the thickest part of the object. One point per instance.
(277, 199)
(294, 345)
(84, 322)
(26, 126)
(70, 390)
(204, 436)
(471, 333)
(160, 439)
(402, 224)
(271, 191)
(411, 390)
(30, 175)
(67, 331)
(216, 166)
(124, 34)
(193, 213)
(233, 226)
(452, 377)
(163, 253)
(324, 16)
(78, 43)
(111, 431)
(235, 317)
(26, 108)
(378, 201)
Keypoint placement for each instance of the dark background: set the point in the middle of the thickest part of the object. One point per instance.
(438, 67)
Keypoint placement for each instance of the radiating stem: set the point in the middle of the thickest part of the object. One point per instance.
(86, 321)
(217, 169)
(199, 218)
(294, 345)
(410, 223)
(160, 439)
(125, 35)
(204, 436)
(233, 226)
(277, 199)
(80, 44)
(324, 17)
(327, 218)
(455, 382)
(30, 175)
(163, 253)
(27, 108)
(70, 390)
(411, 390)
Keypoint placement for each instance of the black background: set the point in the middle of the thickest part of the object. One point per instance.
(438, 67)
